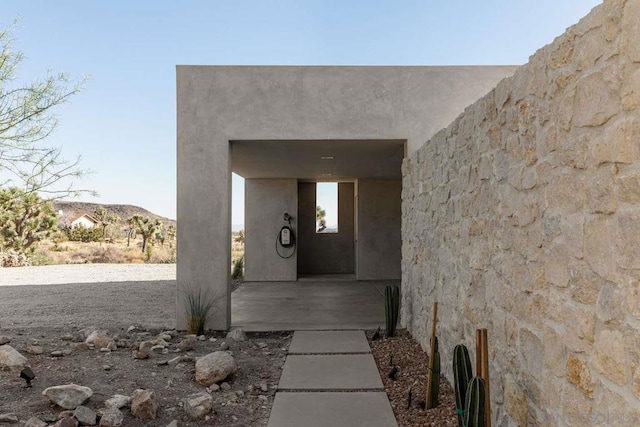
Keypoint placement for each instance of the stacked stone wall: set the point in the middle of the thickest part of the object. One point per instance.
(523, 217)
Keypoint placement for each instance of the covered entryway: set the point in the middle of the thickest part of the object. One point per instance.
(340, 118)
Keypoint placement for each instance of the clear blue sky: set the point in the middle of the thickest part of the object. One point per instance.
(123, 123)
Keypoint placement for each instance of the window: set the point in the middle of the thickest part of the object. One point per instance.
(327, 207)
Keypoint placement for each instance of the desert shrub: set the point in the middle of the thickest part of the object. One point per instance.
(80, 233)
(238, 268)
(40, 257)
(133, 257)
(163, 256)
(106, 255)
(13, 259)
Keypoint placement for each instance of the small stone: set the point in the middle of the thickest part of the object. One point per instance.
(187, 358)
(165, 337)
(112, 346)
(106, 367)
(160, 342)
(198, 405)
(238, 335)
(66, 337)
(201, 337)
(85, 416)
(4, 339)
(105, 350)
(264, 386)
(8, 418)
(68, 396)
(157, 349)
(10, 358)
(213, 339)
(34, 350)
(67, 422)
(111, 418)
(35, 422)
(57, 353)
(225, 386)
(239, 393)
(140, 355)
(131, 329)
(187, 344)
(145, 347)
(144, 404)
(80, 346)
(224, 346)
(33, 341)
(214, 387)
(123, 343)
(117, 401)
(214, 367)
(174, 360)
(262, 344)
(173, 423)
(64, 414)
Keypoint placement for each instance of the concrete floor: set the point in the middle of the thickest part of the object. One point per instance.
(309, 305)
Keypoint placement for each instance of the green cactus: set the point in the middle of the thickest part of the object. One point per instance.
(462, 374)
(474, 409)
(435, 377)
(391, 308)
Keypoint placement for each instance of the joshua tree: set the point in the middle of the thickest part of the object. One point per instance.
(320, 221)
(105, 219)
(147, 228)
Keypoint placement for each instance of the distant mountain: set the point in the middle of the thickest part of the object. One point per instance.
(72, 210)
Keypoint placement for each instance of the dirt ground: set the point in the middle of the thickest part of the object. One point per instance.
(246, 403)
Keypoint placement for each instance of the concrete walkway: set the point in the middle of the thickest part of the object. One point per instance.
(309, 305)
(330, 379)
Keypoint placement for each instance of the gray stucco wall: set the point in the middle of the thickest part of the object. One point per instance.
(220, 104)
(266, 201)
(379, 219)
(324, 253)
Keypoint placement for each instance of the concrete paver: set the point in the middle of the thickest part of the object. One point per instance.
(335, 409)
(329, 342)
(330, 372)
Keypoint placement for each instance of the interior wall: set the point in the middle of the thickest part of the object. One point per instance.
(523, 217)
(266, 201)
(379, 218)
(325, 253)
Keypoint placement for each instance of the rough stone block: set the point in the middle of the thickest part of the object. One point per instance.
(600, 246)
(628, 239)
(578, 374)
(631, 91)
(617, 144)
(595, 101)
(630, 31)
(609, 356)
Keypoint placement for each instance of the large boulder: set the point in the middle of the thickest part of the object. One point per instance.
(10, 358)
(68, 396)
(215, 367)
(117, 401)
(198, 405)
(144, 404)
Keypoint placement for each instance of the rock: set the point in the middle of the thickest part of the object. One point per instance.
(85, 416)
(225, 386)
(160, 343)
(9, 418)
(264, 386)
(262, 345)
(213, 387)
(112, 417)
(10, 358)
(80, 346)
(4, 339)
(123, 343)
(164, 336)
(67, 422)
(173, 423)
(140, 355)
(57, 353)
(32, 342)
(201, 337)
(117, 401)
(35, 422)
(187, 344)
(131, 329)
(174, 360)
(34, 350)
(224, 346)
(98, 338)
(106, 367)
(238, 335)
(68, 396)
(64, 414)
(157, 349)
(112, 346)
(144, 404)
(214, 367)
(145, 346)
(198, 405)
(66, 337)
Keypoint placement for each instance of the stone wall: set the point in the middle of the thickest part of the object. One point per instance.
(523, 217)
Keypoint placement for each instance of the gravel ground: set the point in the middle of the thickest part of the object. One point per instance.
(117, 295)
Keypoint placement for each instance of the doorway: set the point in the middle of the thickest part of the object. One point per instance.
(319, 251)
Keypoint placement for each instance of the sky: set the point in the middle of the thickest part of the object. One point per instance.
(123, 123)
